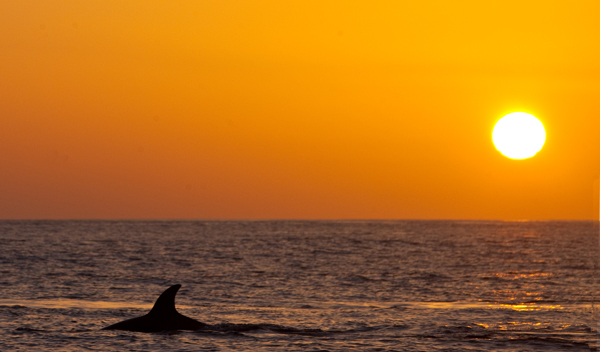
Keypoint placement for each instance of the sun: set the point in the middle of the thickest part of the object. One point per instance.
(519, 135)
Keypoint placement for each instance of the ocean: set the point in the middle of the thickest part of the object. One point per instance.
(302, 285)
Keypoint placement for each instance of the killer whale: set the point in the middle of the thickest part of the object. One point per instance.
(162, 317)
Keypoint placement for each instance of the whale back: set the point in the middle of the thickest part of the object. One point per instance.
(162, 317)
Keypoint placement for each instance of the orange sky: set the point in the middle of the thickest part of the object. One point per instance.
(296, 109)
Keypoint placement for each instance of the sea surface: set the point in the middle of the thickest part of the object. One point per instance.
(302, 285)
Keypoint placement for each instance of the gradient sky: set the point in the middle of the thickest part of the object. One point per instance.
(296, 109)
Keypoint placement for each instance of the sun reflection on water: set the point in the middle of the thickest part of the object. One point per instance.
(75, 303)
(515, 275)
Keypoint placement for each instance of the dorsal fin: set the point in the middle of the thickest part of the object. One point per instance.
(165, 304)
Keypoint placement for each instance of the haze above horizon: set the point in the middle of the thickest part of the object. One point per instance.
(296, 110)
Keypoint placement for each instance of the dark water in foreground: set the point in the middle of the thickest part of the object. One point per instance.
(302, 285)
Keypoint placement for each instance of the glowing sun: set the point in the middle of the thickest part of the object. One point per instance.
(519, 135)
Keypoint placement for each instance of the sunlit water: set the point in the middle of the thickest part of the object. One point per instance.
(302, 285)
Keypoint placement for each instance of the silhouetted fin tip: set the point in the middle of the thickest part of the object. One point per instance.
(166, 301)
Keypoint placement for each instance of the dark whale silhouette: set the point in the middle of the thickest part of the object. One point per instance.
(162, 317)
